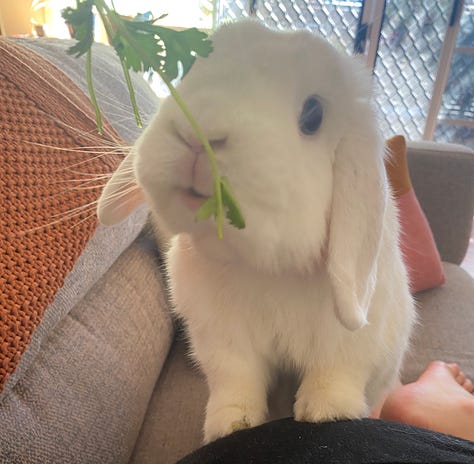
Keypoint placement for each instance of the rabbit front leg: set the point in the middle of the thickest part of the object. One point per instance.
(328, 395)
(237, 396)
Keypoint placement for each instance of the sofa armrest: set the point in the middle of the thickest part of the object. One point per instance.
(443, 179)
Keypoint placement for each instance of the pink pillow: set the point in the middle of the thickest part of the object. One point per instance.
(417, 244)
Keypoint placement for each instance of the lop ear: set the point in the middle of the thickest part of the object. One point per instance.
(356, 226)
(121, 195)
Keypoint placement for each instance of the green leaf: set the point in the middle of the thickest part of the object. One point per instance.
(233, 213)
(159, 48)
(207, 209)
(81, 21)
(136, 44)
(182, 46)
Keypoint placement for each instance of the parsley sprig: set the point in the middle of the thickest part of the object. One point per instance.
(141, 46)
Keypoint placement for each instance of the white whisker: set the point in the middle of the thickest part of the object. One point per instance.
(58, 221)
(79, 163)
(92, 178)
(76, 209)
(83, 220)
(110, 199)
(84, 149)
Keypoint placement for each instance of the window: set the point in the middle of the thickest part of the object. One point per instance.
(421, 53)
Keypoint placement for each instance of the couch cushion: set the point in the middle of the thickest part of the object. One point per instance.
(417, 244)
(446, 325)
(84, 397)
(173, 424)
(442, 177)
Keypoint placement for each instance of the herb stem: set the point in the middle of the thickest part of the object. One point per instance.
(131, 91)
(90, 86)
(108, 25)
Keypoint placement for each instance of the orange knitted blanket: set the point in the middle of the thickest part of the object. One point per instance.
(44, 223)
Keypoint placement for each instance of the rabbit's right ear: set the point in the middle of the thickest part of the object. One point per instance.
(121, 195)
(356, 227)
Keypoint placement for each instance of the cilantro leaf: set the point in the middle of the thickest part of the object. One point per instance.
(207, 209)
(233, 213)
(158, 47)
(182, 46)
(136, 43)
(81, 21)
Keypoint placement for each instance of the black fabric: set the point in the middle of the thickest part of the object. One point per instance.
(360, 441)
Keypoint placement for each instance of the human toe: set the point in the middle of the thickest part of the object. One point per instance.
(453, 367)
(468, 385)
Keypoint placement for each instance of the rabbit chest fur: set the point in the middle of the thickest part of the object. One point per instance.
(315, 283)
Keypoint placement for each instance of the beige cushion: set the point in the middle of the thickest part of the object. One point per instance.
(84, 398)
(446, 325)
(175, 416)
(442, 177)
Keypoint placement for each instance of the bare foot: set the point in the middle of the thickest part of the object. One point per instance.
(440, 400)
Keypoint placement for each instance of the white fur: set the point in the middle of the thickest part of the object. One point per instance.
(315, 282)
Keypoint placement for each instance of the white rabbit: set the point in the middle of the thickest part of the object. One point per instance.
(315, 282)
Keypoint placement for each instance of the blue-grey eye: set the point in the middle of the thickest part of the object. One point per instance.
(311, 116)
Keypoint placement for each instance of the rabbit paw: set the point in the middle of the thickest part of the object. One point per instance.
(325, 405)
(229, 419)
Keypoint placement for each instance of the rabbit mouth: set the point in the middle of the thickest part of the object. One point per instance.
(193, 192)
(192, 198)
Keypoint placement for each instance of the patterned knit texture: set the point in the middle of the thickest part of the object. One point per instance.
(46, 182)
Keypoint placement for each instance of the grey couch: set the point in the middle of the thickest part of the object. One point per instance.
(106, 378)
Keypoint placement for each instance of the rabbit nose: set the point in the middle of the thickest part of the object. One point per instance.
(191, 140)
(218, 143)
(197, 147)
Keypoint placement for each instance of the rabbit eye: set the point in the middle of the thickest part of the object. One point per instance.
(311, 116)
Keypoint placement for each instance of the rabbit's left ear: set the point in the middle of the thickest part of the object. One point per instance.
(356, 226)
(121, 194)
